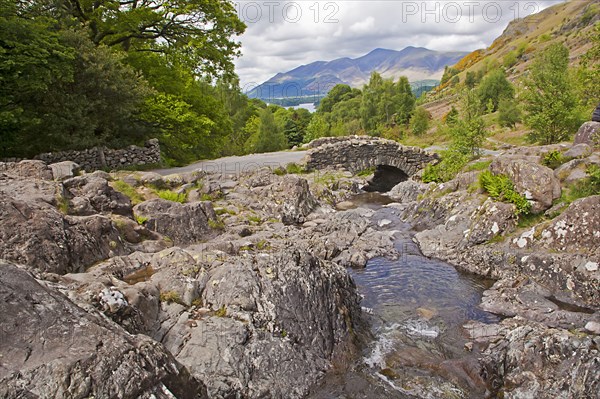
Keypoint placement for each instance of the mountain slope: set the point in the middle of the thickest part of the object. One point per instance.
(319, 77)
(570, 23)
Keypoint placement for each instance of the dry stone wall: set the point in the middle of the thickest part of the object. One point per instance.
(356, 153)
(106, 158)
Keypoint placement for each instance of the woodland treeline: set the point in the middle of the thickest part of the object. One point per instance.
(80, 73)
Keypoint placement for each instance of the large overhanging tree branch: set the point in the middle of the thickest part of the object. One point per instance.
(202, 32)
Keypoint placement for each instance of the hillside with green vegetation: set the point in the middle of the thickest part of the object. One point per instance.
(573, 24)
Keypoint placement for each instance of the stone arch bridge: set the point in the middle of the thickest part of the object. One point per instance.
(392, 161)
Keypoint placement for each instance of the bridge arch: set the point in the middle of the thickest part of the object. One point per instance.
(357, 153)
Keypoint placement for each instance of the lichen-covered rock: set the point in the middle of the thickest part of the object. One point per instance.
(577, 229)
(182, 223)
(54, 349)
(524, 359)
(536, 182)
(578, 151)
(588, 133)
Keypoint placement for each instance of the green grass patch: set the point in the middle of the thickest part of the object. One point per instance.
(141, 219)
(255, 219)
(128, 191)
(583, 188)
(326, 178)
(172, 196)
(366, 172)
(221, 312)
(279, 171)
(501, 188)
(216, 224)
(263, 245)
(476, 166)
(171, 297)
(62, 203)
(528, 220)
(294, 168)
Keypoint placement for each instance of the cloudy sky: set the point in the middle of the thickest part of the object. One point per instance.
(282, 35)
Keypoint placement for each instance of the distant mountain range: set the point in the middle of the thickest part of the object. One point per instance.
(418, 64)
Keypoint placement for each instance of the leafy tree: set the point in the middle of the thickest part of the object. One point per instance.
(470, 80)
(404, 101)
(64, 92)
(494, 87)
(335, 95)
(33, 58)
(199, 32)
(509, 113)
(269, 136)
(549, 96)
(588, 74)
(318, 127)
(183, 130)
(295, 128)
(385, 103)
(370, 102)
(451, 117)
(468, 133)
(419, 122)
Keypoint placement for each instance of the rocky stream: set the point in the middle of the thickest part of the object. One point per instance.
(268, 284)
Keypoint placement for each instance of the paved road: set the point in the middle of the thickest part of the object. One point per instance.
(236, 165)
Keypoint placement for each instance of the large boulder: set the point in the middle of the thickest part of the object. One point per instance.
(536, 182)
(281, 316)
(588, 133)
(54, 349)
(578, 151)
(577, 229)
(183, 223)
(408, 191)
(92, 194)
(298, 201)
(34, 232)
(64, 170)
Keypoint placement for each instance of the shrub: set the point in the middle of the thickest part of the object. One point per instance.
(452, 163)
(500, 187)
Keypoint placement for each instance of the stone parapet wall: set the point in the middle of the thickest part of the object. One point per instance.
(356, 153)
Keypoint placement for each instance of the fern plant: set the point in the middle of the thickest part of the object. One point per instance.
(500, 187)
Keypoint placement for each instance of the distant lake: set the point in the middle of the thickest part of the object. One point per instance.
(309, 106)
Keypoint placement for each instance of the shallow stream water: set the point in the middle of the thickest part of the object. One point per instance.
(417, 307)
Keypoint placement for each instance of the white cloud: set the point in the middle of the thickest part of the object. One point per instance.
(282, 35)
